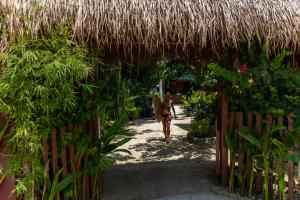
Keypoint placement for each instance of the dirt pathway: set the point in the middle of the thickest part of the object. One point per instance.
(157, 170)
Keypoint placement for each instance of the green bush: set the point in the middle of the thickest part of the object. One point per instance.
(205, 105)
(266, 85)
(202, 128)
(39, 82)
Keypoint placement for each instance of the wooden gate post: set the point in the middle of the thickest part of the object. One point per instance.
(8, 183)
(223, 145)
(96, 129)
(290, 166)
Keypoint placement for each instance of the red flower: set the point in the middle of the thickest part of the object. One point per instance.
(243, 68)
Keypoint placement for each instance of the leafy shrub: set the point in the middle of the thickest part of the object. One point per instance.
(193, 100)
(266, 86)
(39, 83)
(205, 105)
(202, 127)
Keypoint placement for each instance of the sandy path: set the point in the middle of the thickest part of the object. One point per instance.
(148, 145)
(157, 170)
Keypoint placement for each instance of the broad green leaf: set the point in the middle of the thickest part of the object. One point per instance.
(279, 144)
(123, 150)
(252, 139)
(111, 147)
(3, 128)
(66, 182)
(229, 75)
(239, 176)
(229, 141)
(54, 184)
(282, 182)
(291, 156)
(114, 129)
(279, 58)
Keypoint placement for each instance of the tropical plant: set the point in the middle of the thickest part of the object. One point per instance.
(39, 81)
(205, 105)
(270, 146)
(232, 141)
(192, 100)
(93, 156)
(202, 128)
(118, 95)
(265, 85)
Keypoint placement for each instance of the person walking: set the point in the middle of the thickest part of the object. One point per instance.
(166, 116)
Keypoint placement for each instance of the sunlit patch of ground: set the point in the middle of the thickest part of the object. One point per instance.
(163, 171)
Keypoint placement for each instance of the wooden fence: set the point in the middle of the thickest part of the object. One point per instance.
(57, 156)
(227, 122)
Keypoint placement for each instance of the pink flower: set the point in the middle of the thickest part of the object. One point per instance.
(243, 69)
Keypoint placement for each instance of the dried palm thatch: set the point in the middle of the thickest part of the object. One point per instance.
(158, 25)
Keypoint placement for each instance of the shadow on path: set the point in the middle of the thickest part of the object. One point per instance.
(186, 127)
(155, 149)
(148, 180)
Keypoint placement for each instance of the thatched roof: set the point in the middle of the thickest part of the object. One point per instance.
(156, 26)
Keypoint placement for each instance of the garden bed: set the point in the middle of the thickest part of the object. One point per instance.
(204, 139)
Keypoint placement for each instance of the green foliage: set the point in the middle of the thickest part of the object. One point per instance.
(268, 86)
(39, 84)
(93, 155)
(268, 154)
(193, 100)
(205, 104)
(229, 75)
(202, 127)
(169, 70)
(98, 153)
(58, 186)
(118, 94)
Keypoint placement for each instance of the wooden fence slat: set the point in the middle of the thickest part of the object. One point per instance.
(271, 180)
(258, 180)
(231, 128)
(87, 187)
(63, 154)
(231, 122)
(54, 151)
(218, 162)
(269, 121)
(90, 178)
(250, 127)
(240, 143)
(290, 166)
(72, 152)
(45, 151)
(280, 123)
(249, 121)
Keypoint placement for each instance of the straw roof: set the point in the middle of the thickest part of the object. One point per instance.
(156, 26)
